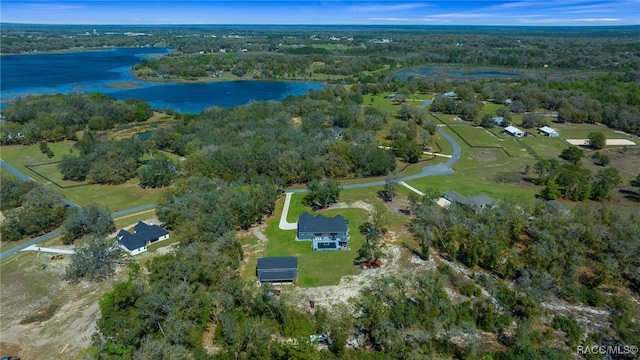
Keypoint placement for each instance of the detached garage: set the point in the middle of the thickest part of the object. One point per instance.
(279, 269)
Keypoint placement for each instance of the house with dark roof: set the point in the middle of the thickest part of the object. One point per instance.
(143, 235)
(277, 269)
(325, 233)
(479, 201)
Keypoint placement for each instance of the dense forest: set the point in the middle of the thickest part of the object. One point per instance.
(527, 260)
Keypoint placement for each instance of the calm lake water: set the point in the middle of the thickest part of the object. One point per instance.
(99, 71)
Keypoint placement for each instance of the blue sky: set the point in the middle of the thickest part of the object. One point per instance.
(441, 12)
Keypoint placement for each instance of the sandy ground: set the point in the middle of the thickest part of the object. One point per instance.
(30, 282)
(618, 142)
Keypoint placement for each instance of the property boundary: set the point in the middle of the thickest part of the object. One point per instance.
(479, 147)
(31, 167)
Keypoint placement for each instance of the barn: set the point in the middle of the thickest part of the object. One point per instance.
(277, 269)
(514, 131)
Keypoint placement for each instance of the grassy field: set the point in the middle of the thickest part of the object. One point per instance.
(318, 268)
(115, 197)
(581, 131)
(476, 172)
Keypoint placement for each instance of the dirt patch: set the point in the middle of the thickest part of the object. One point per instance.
(31, 282)
(626, 161)
(610, 142)
(484, 155)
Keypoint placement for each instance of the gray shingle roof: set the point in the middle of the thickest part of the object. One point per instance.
(283, 275)
(479, 200)
(143, 234)
(320, 223)
(277, 262)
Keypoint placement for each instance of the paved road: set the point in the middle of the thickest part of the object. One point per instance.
(429, 170)
(68, 202)
(25, 177)
(33, 241)
(55, 233)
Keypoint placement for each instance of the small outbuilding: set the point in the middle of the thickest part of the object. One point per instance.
(498, 120)
(143, 235)
(479, 201)
(451, 95)
(514, 131)
(277, 269)
(550, 132)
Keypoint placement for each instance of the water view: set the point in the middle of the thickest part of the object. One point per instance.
(107, 71)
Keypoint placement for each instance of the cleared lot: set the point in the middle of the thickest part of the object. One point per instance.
(609, 142)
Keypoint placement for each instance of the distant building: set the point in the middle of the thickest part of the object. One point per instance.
(550, 132)
(480, 201)
(498, 120)
(325, 233)
(514, 131)
(451, 95)
(143, 235)
(277, 269)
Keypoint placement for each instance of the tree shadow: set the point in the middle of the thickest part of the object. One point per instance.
(630, 195)
(415, 252)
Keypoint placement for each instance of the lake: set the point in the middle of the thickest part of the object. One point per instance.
(104, 70)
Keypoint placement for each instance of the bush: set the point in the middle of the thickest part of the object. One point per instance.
(569, 326)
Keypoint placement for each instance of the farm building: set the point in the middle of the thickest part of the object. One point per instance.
(498, 120)
(325, 233)
(480, 201)
(450, 95)
(514, 131)
(550, 132)
(143, 235)
(277, 269)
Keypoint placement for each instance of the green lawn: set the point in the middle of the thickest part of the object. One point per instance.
(296, 207)
(476, 172)
(319, 268)
(546, 147)
(490, 109)
(581, 131)
(479, 137)
(115, 197)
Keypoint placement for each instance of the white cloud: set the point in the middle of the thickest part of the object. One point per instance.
(385, 8)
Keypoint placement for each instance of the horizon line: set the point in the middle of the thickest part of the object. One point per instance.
(335, 25)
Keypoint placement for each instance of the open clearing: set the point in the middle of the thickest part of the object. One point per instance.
(620, 142)
(31, 283)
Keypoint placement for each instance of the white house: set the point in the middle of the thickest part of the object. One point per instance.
(143, 235)
(550, 132)
(514, 131)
